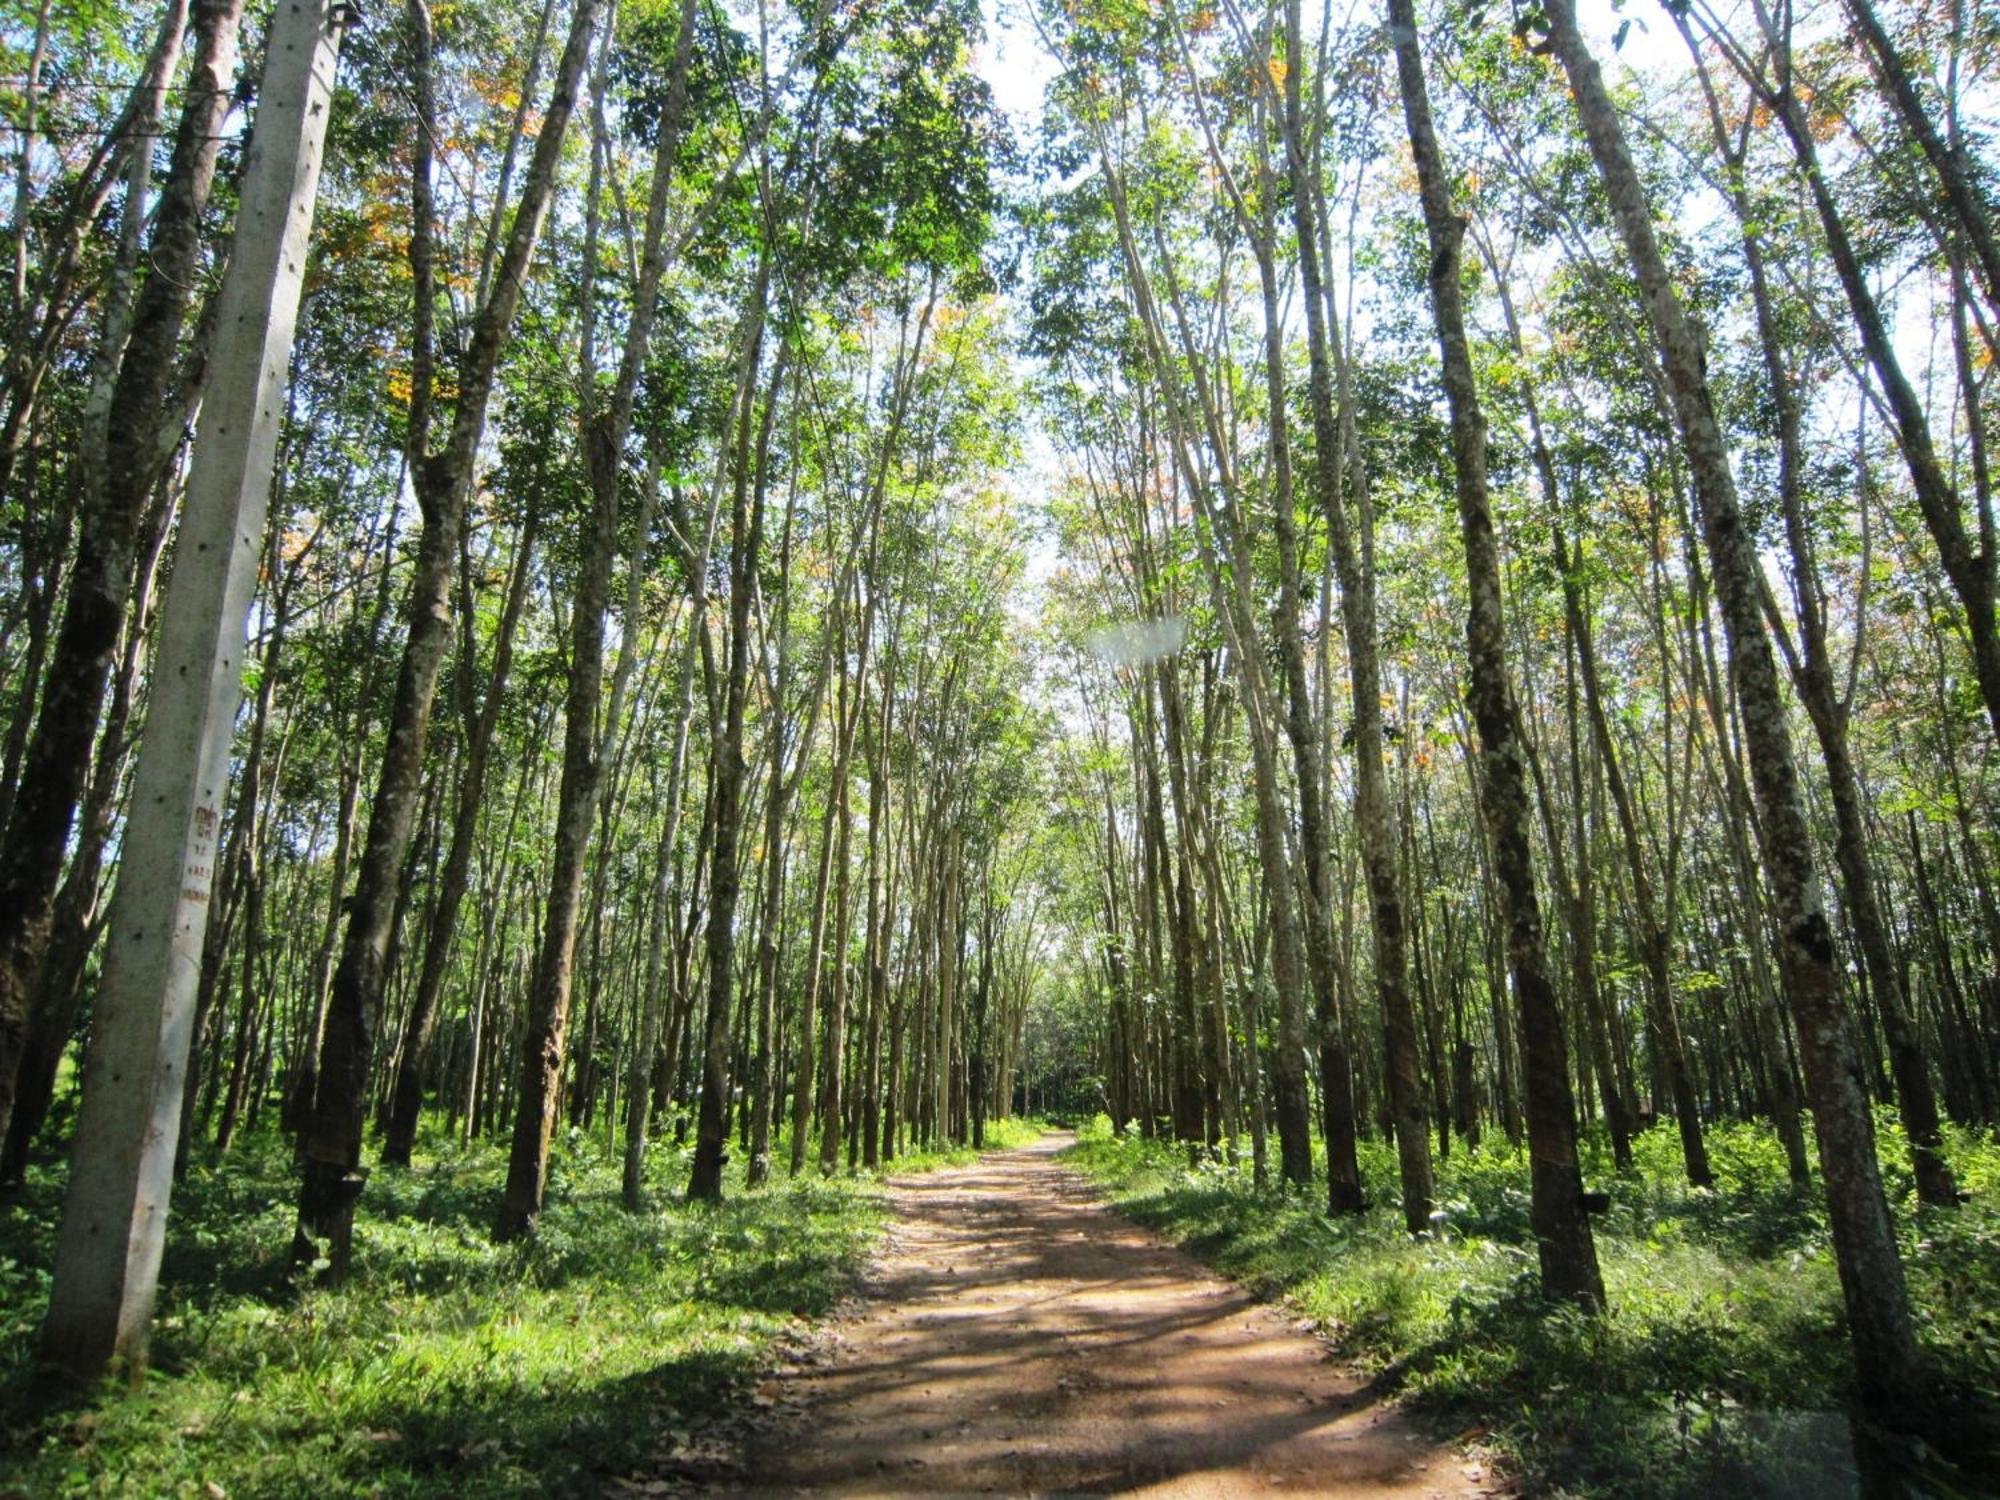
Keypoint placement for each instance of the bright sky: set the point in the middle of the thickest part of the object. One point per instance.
(1018, 69)
(1015, 65)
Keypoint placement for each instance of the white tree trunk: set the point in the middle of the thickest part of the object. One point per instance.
(114, 1219)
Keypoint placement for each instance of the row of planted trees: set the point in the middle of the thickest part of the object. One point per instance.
(1558, 521)
(633, 734)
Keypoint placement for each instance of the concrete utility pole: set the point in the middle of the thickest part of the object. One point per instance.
(115, 1216)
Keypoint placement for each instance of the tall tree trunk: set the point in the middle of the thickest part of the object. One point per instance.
(781, 784)
(1352, 539)
(639, 1089)
(1562, 1228)
(332, 1179)
(1653, 936)
(77, 920)
(1871, 1270)
(1969, 563)
(1814, 679)
(1971, 213)
(117, 485)
(251, 836)
(746, 534)
(804, 1069)
(836, 1019)
(421, 1024)
(1232, 591)
(606, 426)
(873, 1144)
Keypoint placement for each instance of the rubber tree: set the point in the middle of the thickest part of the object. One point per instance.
(118, 479)
(1305, 733)
(1563, 1239)
(1890, 1374)
(1809, 659)
(407, 1097)
(1969, 559)
(727, 769)
(332, 1179)
(1223, 544)
(1346, 504)
(606, 424)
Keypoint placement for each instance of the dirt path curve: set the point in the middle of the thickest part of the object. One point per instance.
(1020, 1338)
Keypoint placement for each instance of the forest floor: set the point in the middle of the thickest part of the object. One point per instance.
(1020, 1337)
(1720, 1369)
(1013, 1332)
(606, 1345)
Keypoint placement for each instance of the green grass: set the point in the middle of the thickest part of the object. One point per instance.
(447, 1365)
(1007, 1135)
(1721, 1367)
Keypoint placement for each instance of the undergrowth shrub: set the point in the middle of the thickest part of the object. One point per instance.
(1722, 1365)
(448, 1364)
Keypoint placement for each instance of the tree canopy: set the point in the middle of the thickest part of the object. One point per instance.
(1311, 583)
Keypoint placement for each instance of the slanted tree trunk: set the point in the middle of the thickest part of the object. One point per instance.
(42, 307)
(1352, 540)
(1871, 1270)
(1220, 529)
(1969, 562)
(1813, 678)
(1971, 213)
(118, 482)
(1562, 1228)
(78, 917)
(421, 1024)
(1653, 936)
(332, 1179)
(1337, 1084)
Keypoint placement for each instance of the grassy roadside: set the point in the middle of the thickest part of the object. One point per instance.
(448, 1365)
(1721, 1368)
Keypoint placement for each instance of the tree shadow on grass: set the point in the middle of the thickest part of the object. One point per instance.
(1667, 1406)
(530, 1443)
(495, 1440)
(1722, 1369)
(448, 1365)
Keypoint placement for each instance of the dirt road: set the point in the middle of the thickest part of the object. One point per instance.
(1019, 1338)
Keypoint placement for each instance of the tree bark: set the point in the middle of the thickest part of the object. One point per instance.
(421, 1024)
(1970, 211)
(1968, 566)
(1871, 1271)
(117, 485)
(606, 427)
(1562, 1228)
(332, 1179)
(746, 534)
(1352, 540)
